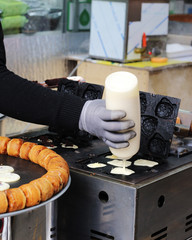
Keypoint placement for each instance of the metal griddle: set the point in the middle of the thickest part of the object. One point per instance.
(20, 223)
(96, 151)
(154, 203)
(28, 171)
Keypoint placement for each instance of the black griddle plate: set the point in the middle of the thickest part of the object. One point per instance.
(27, 170)
(141, 173)
(96, 151)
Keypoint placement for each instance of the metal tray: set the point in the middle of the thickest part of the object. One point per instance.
(28, 171)
(10, 214)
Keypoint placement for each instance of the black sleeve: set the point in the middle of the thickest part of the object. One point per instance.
(2, 48)
(28, 101)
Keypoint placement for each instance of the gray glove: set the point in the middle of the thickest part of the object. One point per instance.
(98, 121)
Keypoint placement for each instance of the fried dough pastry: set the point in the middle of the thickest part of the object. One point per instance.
(32, 194)
(45, 187)
(3, 144)
(3, 202)
(13, 147)
(25, 149)
(40, 189)
(16, 199)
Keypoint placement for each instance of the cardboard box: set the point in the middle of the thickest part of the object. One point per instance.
(115, 33)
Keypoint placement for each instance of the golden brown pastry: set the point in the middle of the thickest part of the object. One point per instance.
(3, 202)
(32, 194)
(45, 187)
(16, 199)
(44, 154)
(25, 149)
(61, 172)
(55, 180)
(13, 147)
(34, 152)
(40, 189)
(57, 162)
(45, 161)
(3, 144)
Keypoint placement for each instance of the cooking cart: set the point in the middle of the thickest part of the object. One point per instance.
(37, 222)
(153, 203)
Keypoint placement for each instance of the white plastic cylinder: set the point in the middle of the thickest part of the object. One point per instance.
(122, 93)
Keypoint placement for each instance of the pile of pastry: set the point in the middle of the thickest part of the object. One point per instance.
(40, 189)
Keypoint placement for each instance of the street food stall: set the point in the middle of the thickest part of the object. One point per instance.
(151, 197)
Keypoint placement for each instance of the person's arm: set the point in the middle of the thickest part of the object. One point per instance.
(28, 101)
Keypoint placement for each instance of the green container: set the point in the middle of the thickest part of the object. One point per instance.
(12, 8)
(78, 15)
(13, 22)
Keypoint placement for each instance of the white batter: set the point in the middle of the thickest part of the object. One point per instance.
(122, 171)
(52, 147)
(4, 186)
(6, 169)
(67, 146)
(96, 165)
(145, 163)
(119, 163)
(112, 157)
(9, 177)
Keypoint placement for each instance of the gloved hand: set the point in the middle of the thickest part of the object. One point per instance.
(98, 121)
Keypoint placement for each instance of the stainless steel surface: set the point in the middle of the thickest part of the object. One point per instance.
(6, 233)
(99, 208)
(96, 207)
(29, 225)
(38, 224)
(51, 221)
(152, 204)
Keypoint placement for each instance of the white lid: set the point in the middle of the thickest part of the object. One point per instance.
(121, 81)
